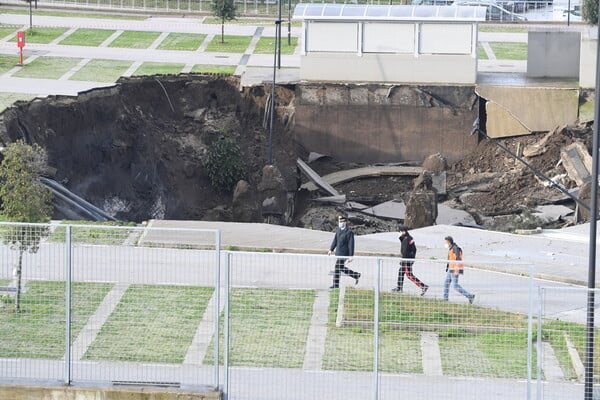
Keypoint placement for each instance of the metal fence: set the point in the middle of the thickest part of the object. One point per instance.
(115, 305)
(498, 10)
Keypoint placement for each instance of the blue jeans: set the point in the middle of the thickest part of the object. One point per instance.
(450, 277)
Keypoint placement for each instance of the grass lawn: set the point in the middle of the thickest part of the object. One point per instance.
(47, 68)
(8, 62)
(154, 68)
(509, 51)
(213, 69)
(105, 232)
(182, 41)
(233, 44)
(72, 14)
(135, 39)
(38, 330)
(266, 45)
(6, 30)
(102, 71)
(87, 37)
(41, 35)
(152, 323)
(268, 327)
(555, 332)
(497, 28)
(481, 53)
(7, 99)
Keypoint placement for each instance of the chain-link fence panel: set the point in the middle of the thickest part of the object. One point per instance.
(133, 305)
(561, 338)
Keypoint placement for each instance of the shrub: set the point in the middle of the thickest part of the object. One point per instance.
(589, 11)
(224, 164)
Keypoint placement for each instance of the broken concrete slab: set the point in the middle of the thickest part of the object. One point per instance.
(539, 147)
(537, 109)
(577, 162)
(364, 172)
(340, 199)
(390, 209)
(315, 178)
(551, 213)
(451, 216)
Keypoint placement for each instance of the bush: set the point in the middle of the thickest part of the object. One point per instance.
(224, 164)
(589, 11)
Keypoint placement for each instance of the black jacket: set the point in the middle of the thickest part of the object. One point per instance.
(408, 249)
(343, 242)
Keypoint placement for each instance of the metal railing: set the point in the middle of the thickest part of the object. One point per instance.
(110, 305)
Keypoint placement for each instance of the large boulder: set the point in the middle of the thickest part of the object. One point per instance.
(421, 203)
(244, 206)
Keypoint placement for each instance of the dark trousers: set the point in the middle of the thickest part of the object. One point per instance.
(406, 268)
(339, 269)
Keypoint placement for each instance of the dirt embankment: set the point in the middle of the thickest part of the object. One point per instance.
(138, 150)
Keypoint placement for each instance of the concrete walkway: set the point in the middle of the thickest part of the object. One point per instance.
(254, 68)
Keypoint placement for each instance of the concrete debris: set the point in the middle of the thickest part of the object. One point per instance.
(557, 180)
(315, 178)
(312, 156)
(435, 163)
(390, 209)
(551, 213)
(452, 216)
(577, 162)
(421, 208)
(363, 172)
(585, 195)
(353, 205)
(340, 199)
(539, 147)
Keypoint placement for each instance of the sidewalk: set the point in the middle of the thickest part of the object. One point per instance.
(257, 66)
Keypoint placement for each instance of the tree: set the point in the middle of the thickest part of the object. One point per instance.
(24, 199)
(589, 11)
(224, 10)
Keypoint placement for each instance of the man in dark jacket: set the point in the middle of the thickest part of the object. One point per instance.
(408, 250)
(343, 244)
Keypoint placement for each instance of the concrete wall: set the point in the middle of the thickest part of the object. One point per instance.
(385, 123)
(587, 64)
(86, 393)
(553, 54)
(456, 68)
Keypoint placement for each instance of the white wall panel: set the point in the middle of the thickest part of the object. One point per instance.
(388, 38)
(446, 38)
(332, 37)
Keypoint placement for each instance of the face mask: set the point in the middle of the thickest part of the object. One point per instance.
(446, 245)
(341, 225)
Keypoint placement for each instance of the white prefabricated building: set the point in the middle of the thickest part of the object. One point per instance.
(389, 43)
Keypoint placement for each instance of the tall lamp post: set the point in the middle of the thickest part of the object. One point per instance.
(589, 345)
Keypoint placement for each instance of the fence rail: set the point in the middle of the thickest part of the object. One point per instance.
(116, 305)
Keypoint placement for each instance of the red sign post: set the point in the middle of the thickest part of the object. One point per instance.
(21, 44)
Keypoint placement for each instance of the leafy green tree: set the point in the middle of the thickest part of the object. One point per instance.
(225, 10)
(24, 199)
(589, 11)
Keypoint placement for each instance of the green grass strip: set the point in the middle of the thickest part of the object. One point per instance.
(47, 68)
(155, 68)
(266, 45)
(481, 53)
(102, 234)
(87, 37)
(509, 51)
(151, 324)
(38, 330)
(213, 69)
(102, 71)
(6, 30)
(268, 327)
(182, 41)
(41, 35)
(8, 62)
(73, 14)
(232, 44)
(497, 28)
(135, 39)
(7, 99)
